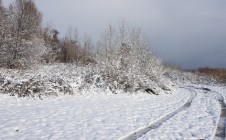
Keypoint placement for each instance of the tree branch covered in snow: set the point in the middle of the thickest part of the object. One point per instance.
(125, 59)
(21, 42)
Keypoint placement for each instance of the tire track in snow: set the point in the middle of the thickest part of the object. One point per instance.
(220, 133)
(143, 130)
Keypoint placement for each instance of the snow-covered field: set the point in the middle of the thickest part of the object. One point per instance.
(107, 116)
(61, 103)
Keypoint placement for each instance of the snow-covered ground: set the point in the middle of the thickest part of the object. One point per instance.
(107, 116)
(61, 103)
(197, 122)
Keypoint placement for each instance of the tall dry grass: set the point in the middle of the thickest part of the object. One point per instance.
(217, 73)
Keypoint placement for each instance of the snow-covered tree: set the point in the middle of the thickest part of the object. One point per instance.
(124, 56)
(6, 38)
(20, 35)
(26, 20)
(4, 27)
(106, 50)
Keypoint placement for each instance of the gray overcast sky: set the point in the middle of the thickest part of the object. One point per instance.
(189, 33)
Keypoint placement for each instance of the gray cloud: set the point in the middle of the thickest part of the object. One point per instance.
(188, 33)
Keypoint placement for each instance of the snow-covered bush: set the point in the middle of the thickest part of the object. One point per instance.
(125, 60)
(36, 87)
(39, 82)
(60, 79)
(28, 54)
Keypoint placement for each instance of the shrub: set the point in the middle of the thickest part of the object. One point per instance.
(125, 60)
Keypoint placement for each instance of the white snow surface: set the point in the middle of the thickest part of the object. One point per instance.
(107, 116)
(197, 122)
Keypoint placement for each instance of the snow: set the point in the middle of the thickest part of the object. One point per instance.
(108, 116)
(197, 122)
(83, 117)
(191, 109)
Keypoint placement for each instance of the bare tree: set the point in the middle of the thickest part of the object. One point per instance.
(87, 50)
(72, 48)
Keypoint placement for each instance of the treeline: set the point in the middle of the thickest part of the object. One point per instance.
(122, 58)
(24, 41)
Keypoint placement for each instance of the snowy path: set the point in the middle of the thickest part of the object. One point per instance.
(220, 133)
(197, 122)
